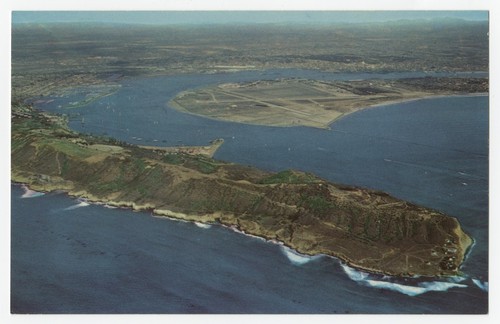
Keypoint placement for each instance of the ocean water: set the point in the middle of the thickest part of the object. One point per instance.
(71, 257)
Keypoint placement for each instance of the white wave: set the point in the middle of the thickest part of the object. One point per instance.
(235, 229)
(410, 290)
(482, 285)
(253, 236)
(421, 288)
(355, 275)
(469, 250)
(404, 289)
(110, 207)
(456, 279)
(256, 237)
(170, 218)
(275, 242)
(28, 193)
(296, 257)
(440, 285)
(202, 225)
(81, 204)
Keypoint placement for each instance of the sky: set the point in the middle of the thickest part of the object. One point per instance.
(225, 17)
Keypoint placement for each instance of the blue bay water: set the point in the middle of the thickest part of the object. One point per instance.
(433, 152)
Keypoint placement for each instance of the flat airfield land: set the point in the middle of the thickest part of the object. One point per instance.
(297, 102)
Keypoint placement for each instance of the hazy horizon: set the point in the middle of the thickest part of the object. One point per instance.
(240, 17)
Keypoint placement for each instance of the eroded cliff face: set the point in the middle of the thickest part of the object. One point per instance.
(367, 229)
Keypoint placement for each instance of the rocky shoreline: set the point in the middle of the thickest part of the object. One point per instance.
(230, 221)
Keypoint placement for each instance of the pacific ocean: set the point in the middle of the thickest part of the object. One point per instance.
(90, 259)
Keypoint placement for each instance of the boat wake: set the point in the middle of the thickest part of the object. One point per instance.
(410, 287)
(81, 204)
(28, 193)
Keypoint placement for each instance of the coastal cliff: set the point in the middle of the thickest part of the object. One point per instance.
(367, 229)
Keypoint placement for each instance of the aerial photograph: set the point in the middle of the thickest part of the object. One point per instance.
(249, 162)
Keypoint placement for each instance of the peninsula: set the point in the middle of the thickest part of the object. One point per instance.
(367, 229)
(314, 103)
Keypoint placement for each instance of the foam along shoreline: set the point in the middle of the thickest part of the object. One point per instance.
(202, 225)
(484, 286)
(369, 279)
(296, 257)
(28, 193)
(82, 203)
